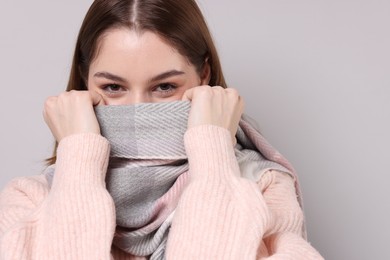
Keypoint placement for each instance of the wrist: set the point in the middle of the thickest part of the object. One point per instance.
(210, 152)
(82, 158)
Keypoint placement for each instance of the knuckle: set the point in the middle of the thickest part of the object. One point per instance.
(49, 102)
(63, 95)
(203, 90)
(73, 94)
(234, 91)
(218, 88)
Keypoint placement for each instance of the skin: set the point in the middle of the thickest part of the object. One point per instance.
(139, 68)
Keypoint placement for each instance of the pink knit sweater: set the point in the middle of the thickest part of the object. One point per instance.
(220, 215)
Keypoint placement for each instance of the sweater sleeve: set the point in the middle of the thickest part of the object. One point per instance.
(284, 236)
(74, 219)
(220, 214)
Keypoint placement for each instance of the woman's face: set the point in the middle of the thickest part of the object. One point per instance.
(140, 68)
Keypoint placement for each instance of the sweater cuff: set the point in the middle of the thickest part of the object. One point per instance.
(82, 159)
(210, 153)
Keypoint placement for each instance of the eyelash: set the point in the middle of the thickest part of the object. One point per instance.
(107, 87)
(172, 87)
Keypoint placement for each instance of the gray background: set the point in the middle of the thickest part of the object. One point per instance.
(315, 75)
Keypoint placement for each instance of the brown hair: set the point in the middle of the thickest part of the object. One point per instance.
(179, 22)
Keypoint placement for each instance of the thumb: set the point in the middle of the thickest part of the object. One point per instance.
(188, 94)
(97, 99)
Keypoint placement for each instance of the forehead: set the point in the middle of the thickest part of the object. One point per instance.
(123, 45)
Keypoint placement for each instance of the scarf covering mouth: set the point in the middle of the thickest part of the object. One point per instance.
(148, 168)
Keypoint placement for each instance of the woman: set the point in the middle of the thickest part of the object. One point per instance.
(94, 202)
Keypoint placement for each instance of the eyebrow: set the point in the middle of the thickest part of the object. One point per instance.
(165, 75)
(110, 76)
(116, 78)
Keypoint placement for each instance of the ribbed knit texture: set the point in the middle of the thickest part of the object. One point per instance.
(148, 168)
(220, 215)
(61, 224)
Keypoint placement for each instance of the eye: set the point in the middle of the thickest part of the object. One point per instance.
(112, 88)
(165, 88)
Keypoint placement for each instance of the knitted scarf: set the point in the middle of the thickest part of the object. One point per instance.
(148, 168)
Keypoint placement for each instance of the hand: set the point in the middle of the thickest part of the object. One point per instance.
(72, 113)
(216, 106)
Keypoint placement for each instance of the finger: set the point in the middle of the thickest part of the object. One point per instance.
(49, 102)
(97, 99)
(242, 104)
(232, 91)
(48, 106)
(188, 94)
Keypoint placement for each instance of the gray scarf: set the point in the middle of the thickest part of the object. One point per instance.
(148, 168)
